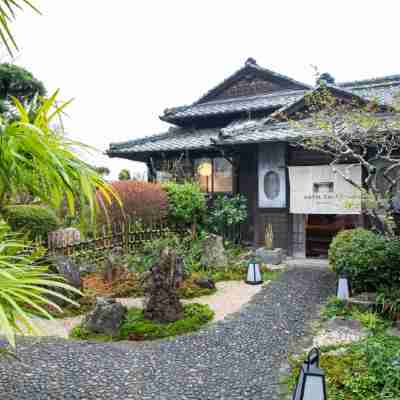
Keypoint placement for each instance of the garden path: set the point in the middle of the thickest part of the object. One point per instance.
(237, 358)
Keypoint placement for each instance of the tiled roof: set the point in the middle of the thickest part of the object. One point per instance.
(207, 106)
(258, 133)
(250, 131)
(173, 140)
(240, 104)
(383, 89)
(250, 65)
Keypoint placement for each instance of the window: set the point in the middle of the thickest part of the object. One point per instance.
(214, 174)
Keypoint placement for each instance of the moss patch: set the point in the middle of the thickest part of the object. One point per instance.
(366, 370)
(137, 328)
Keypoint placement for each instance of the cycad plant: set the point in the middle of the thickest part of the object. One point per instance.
(35, 159)
(25, 287)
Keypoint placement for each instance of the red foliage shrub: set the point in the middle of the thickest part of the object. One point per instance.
(142, 200)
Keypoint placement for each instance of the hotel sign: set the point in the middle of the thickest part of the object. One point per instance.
(319, 190)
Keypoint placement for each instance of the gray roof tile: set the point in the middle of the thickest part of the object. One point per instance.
(176, 139)
(173, 140)
(240, 104)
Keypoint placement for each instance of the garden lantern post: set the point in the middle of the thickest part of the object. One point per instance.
(343, 289)
(253, 273)
(311, 382)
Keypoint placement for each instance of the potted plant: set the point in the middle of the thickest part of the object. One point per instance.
(268, 254)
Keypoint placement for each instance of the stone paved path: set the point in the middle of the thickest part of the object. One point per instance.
(238, 358)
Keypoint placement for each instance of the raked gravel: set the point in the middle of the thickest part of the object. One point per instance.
(236, 358)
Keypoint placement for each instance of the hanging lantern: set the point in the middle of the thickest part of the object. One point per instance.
(343, 289)
(205, 169)
(311, 383)
(253, 273)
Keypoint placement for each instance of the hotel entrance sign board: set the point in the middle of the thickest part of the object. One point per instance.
(320, 190)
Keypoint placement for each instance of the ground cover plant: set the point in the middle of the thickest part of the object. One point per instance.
(370, 319)
(365, 370)
(136, 327)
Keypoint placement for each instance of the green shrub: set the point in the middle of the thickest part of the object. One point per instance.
(226, 212)
(187, 203)
(186, 247)
(388, 301)
(361, 255)
(35, 221)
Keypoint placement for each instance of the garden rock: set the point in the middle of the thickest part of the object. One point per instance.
(106, 317)
(86, 269)
(162, 302)
(364, 301)
(213, 252)
(205, 283)
(340, 330)
(113, 267)
(267, 256)
(67, 268)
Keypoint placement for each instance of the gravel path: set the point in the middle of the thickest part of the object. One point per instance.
(238, 358)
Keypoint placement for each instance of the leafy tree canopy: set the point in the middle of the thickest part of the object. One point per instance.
(124, 175)
(17, 82)
(103, 171)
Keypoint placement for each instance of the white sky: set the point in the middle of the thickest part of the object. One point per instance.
(125, 61)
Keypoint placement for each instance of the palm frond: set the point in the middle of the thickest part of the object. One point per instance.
(8, 9)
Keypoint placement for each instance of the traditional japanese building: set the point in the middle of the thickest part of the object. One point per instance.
(233, 141)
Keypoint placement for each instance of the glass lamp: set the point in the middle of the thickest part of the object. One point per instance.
(253, 273)
(205, 170)
(311, 383)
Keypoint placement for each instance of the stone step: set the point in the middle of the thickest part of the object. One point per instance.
(307, 262)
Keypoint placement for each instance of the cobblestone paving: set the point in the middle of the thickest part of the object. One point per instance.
(238, 358)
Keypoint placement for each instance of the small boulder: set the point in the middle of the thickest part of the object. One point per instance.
(205, 282)
(67, 268)
(364, 301)
(87, 268)
(106, 317)
(213, 252)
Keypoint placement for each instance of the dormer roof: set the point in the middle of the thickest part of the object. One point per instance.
(251, 88)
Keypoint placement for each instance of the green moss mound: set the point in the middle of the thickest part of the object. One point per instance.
(136, 327)
(32, 220)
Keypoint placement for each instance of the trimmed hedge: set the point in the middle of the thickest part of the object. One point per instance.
(35, 221)
(143, 200)
(369, 260)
